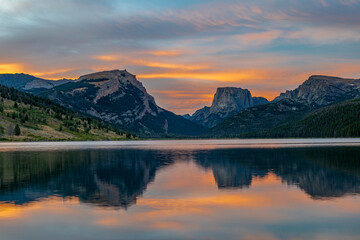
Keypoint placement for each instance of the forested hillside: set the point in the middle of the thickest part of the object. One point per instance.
(339, 120)
(255, 119)
(24, 117)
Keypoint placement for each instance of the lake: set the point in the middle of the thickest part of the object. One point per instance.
(181, 189)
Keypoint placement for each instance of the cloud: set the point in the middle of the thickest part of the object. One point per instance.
(10, 68)
(166, 53)
(264, 45)
(323, 35)
(349, 2)
(258, 38)
(324, 3)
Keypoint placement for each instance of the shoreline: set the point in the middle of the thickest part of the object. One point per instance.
(178, 144)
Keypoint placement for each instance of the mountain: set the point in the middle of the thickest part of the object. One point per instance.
(187, 116)
(25, 117)
(338, 120)
(259, 101)
(323, 90)
(28, 83)
(254, 119)
(227, 102)
(117, 97)
(307, 111)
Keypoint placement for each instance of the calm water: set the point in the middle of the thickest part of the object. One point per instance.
(218, 189)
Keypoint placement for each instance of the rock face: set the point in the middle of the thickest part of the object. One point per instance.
(28, 83)
(119, 98)
(227, 102)
(323, 90)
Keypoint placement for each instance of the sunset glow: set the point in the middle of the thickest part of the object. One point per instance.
(265, 46)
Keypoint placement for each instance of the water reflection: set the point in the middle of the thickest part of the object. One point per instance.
(320, 172)
(117, 178)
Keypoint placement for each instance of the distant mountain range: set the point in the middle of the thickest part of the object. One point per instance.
(290, 114)
(118, 98)
(28, 83)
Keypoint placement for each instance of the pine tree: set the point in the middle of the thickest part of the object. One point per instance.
(128, 135)
(17, 130)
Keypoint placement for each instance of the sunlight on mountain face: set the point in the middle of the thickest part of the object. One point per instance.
(264, 46)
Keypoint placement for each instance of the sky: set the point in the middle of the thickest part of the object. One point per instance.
(182, 50)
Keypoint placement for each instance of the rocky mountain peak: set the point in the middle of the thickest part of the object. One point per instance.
(227, 101)
(323, 90)
(113, 81)
(119, 98)
(230, 98)
(113, 76)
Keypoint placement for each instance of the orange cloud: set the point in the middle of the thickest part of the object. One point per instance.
(247, 75)
(149, 63)
(11, 68)
(166, 53)
(184, 101)
(169, 65)
(259, 38)
(184, 94)
(106, 58)
(52, 73)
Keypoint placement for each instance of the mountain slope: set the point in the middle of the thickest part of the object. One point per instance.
(119, 98)
(28, 83)
(41, 119)
(259, 118)
(338, 120)
(227, 101)
(320, 91)
(278, 118)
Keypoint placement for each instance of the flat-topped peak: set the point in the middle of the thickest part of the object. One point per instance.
(231, 89)
(231, 96)
(327, 78)
(227, 102)
(108, 74)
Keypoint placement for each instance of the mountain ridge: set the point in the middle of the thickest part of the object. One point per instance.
(29, 83)
(321, 90)
(315, 94)
(117, 97)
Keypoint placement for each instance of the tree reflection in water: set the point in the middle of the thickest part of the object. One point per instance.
(116, 178)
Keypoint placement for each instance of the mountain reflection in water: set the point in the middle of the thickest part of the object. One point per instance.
(117, 178)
